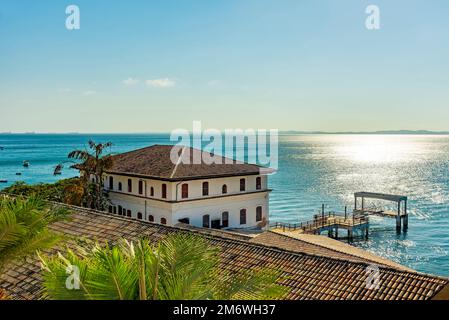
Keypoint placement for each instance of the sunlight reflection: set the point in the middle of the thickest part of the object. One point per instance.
(378, 149)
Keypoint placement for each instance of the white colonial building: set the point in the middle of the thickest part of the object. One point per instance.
(145, 184)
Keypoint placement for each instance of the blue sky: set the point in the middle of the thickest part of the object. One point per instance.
(290, 65)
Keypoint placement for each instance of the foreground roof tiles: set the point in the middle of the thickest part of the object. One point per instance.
(314, 275)
(321, 246)
(155, 162)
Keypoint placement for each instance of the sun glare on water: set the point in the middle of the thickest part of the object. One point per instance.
(377, 149)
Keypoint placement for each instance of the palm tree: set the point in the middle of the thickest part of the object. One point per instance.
(24, 227)
(93, 165)
(180, 266)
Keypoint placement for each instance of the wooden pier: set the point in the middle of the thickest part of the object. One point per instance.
(331, 222)
(355, 224)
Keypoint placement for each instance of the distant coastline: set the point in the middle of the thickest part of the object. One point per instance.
(392, 132)
(287, 132)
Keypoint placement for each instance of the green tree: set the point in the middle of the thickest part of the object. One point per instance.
(180, 266)
(24, 227)
(68, 191)
(92, 165)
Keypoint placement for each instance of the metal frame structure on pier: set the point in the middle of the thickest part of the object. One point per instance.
(400, 215)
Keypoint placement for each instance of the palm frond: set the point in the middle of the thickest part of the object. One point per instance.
(79, 155)
(10, 230)
(181, 266)
(24, 227)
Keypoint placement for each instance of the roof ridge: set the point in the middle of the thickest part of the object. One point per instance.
(342, 251)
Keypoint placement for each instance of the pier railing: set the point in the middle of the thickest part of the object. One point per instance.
(320, 221)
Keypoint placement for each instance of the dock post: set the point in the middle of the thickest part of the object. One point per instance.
(398, 223)
(366, 232)
(405, 217)
(405, 223)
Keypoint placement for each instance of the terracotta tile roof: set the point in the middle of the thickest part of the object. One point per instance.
(155, 162)
(322, 246)
(308, 276)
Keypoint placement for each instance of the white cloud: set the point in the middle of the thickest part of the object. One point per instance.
(130, 82)
(89, 93)
(160, 83)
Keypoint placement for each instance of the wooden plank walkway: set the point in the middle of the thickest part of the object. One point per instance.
(330, 222)
(380, 213)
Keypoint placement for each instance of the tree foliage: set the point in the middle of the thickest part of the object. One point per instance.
(181, 266)
(92, 163)
(67, 191)
(24, 227)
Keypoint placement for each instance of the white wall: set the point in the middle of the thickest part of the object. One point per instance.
(214, 207)
(196, 205)
(147, 184)
(215, 186)
(158, 209)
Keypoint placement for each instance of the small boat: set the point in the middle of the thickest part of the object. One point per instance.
(26, 163)
(3, 181)
(57, 170)
(18, 173)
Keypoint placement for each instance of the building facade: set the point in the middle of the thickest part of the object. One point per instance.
(144, 184)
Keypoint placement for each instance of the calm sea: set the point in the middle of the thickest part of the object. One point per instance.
(313, 169)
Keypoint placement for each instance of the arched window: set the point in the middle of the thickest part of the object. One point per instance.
(111, 183)
(258, 183)
(259, 213)
(120, 186)
(243, 216)
(110, 209)
(163, 221)
(130, 185)
(185, 191)
(151, 192)
(225, 219)
(139, 215)
(140, 187)
(120, 210)
(224, 189)
(151, 218)
(205, 188)
(206, 221)
(242, 184)
(164, 191)
(115, 210)
(128, 213)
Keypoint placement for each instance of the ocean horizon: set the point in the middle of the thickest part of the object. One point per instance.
(314, 169)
